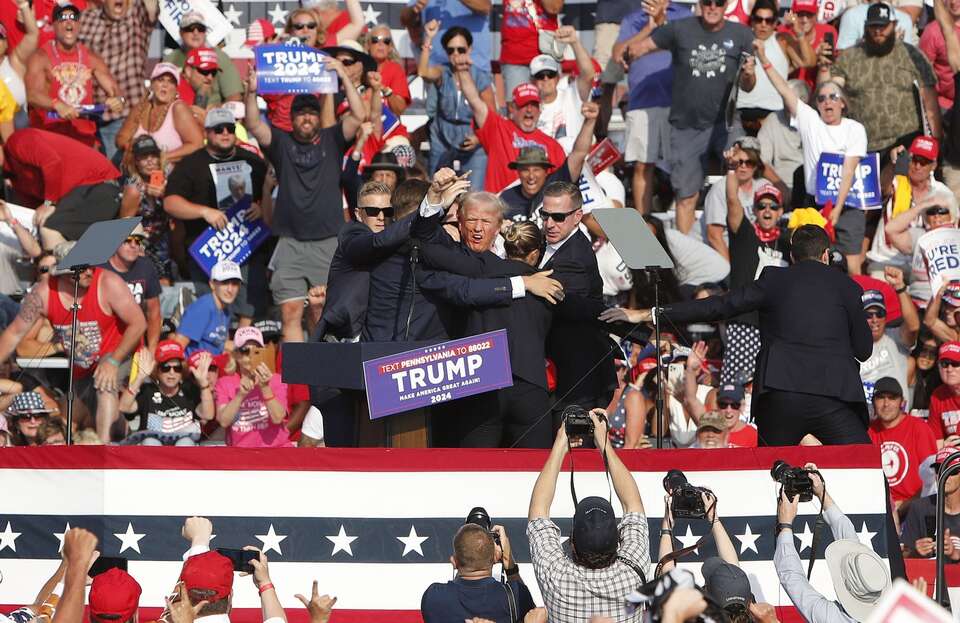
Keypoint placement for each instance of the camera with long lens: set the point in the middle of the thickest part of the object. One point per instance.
(480, 517)
(686, 500)
(577, 422)
(795, 480)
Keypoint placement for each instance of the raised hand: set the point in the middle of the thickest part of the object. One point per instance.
(590, 111)
(566, 34)
(431, 28)
(319, 606)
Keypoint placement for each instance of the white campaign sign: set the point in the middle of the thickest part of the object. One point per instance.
(172, 11)
(940, 249)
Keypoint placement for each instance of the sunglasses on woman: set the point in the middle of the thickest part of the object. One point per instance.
(937, 211)
(171, 367)
(770, 21)
(384, 39)
(456, 50)
(348, 62)
(304, 26)
(945, 363)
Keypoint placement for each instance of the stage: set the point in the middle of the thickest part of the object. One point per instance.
(375, 526)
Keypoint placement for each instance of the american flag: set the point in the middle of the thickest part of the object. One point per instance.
(375, 526)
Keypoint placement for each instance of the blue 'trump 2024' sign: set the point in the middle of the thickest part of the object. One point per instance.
(439, 373)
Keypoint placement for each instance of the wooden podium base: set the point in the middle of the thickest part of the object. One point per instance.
(403, 430)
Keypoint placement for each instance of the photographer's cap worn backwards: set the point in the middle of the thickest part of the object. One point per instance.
(595, 527)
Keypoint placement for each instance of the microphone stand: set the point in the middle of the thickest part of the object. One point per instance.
(654, 272)
(74, 312)
(949, 467)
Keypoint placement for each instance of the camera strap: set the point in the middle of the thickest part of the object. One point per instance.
(606, 469)
(817, 530)
(677, 554)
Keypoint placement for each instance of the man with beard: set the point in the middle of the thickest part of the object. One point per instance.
(192, 194)
(878, 76)
(309, 207)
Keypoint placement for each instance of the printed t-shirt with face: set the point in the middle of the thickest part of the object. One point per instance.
(206, 325)
(141, 279)
(849, 138)
(902, 449)
(252, 427)
(705, 65)
(502, 140)
(164, 414)
(944, 417)
(562, 116)
(889, 358)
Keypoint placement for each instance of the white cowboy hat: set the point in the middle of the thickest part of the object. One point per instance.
(860, 577)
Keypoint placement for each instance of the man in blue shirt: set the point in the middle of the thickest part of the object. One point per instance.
(475, 592)
(650, 82)
(206, 323)
(474, 15)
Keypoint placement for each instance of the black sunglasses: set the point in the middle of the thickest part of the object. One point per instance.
(457, 49)
(936, 211)
(304, 26)
(945, 363)
(43, 270)
(557, 217)
(68, 16)
(194, 28)
(244, 350)
(373, 211)
(767, 205)
(920, 160)
(746, 162)
(171, 367)
(207, 72)
(756, 19)
(546, 75)
(713, 2)
(347, 62)
(229, 128)
(876, 314)
(728, 404)
(381, 39)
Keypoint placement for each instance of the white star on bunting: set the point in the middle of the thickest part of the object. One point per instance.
(129, 539)
(277, 15)
(341, 542)
(865, 536)
(370, 16)
(271, 540)
(8, 538)
(233, 15)
(412, 542)
(688, 539)
(805, 537)
(748, 540)
(60, 535)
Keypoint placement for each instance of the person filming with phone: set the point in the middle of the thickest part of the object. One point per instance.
(252, 404)
(919, 526)
(609, 559)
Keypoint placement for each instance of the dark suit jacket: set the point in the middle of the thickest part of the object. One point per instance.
(527, 320)
(358, 249)
(436, 300)
(812, 329)
(574, 346)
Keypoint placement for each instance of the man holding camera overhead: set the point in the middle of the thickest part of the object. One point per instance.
(608, 559)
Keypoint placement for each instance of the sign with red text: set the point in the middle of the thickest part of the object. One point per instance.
(439, 373)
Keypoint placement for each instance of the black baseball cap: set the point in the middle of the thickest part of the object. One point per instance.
(888, 385)
(725, 583)
(304, 101)
(60, 9)
(595, 527)
(144, 145)
(879, 14)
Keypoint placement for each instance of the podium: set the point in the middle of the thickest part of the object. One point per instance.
(324, 365)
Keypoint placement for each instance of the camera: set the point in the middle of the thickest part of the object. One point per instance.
(479, 516)
(686, 499)
(577, 422)
(795, 480)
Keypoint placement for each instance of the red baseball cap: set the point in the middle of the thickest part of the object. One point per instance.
(950, 351)
(526, 93)
(768, 190)
(943, 454)
(167, 350)
(258, 31)
(805, 6)
(219, 361)
(203, 58)
(114, 593)
(925, 147)
(210, 571)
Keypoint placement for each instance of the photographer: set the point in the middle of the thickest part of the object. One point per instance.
(725, 548)
(608, 560)
(919, 526)
(474, 592)
(859, 575)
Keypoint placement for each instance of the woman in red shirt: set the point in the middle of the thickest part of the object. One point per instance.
(396, 93)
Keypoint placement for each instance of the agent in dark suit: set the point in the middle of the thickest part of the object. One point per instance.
(361, 244)
(813, 331)
(574, 347)
(514, 414)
